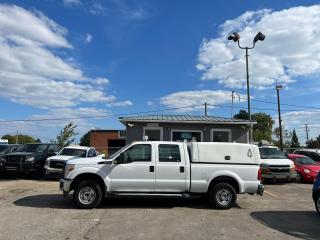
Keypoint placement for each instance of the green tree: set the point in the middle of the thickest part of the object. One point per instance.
(243, 114)
(20, 138)
(286, 137)
(85, 139)
(66, 135)
(263, 129)
(294, 140)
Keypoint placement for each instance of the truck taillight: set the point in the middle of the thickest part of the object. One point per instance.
(259, 174)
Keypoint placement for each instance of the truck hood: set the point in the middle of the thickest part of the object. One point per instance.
(273, 162)
(61, 158)
(86, 161)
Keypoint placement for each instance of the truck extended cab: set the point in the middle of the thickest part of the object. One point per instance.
(218, 170)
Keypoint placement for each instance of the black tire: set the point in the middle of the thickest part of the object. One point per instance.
(87, 194)
(222, 196)
(317, 202)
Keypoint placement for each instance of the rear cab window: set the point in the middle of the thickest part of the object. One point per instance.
(169, 153)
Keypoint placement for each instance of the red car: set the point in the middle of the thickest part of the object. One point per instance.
(306, 168)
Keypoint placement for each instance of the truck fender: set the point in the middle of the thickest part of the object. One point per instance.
(91, 171)
(227, 174)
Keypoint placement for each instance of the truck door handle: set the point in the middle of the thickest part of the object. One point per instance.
(181, 169)
(227, 158)
(151, 168)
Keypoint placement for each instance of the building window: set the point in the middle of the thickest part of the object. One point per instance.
(221, 135)
(188, 135)
(153, 133)
(122, 133)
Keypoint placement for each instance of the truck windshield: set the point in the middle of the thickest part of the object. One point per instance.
(271, 153)
(117, 152)
(74, 152)
(33, 148)
(305, 161)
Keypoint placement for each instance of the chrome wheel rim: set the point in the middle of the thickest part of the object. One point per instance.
(87, 195)
(224, 196)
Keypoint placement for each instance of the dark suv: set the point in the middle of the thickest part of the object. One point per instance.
(30, 158)
(6, 149)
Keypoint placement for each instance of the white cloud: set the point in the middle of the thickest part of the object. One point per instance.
(190, 98)
(71, 2)
(88, 38)
(120, 104)
(297, 119)
(291, 48)
(32, 72)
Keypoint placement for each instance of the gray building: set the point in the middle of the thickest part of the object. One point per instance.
(186, 127)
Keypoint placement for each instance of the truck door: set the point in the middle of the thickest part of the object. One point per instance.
(134, 170)
(170, 168)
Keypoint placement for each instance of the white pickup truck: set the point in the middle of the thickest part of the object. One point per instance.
(217, 170)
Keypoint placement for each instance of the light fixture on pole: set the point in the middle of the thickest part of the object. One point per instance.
(236, 38)
(278, 88)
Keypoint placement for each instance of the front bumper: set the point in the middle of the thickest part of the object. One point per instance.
(275, 176)
(20, 167)
(260, 189)
(64, 185)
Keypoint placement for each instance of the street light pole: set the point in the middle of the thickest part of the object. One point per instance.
(236, 37)
(279, 87)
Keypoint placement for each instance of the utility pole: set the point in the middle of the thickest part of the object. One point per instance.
(205, 109)
(17, 136)
(279, 87)
(232, 98)
(307, 132)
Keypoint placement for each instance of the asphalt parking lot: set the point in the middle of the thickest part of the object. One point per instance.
(35, 209)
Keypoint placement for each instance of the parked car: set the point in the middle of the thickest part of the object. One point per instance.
(316, 193)
(54, 165)
(314, 154)
(275, 165)
(218, 170)
(5, 149)
(30, 158)
(306, 168)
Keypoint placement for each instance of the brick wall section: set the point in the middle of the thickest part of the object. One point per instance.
(99, 139)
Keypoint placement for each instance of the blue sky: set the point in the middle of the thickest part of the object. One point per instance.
(69, 58)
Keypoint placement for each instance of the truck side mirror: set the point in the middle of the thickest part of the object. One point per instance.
(119, 159)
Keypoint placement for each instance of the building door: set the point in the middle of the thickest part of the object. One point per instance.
(153, 133)
(134, 171)
(170, 169)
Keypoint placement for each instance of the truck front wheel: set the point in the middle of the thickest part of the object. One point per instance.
(222, 196)
(87, 194)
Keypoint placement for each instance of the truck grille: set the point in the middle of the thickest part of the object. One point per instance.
(280, 169)
(15, 159)
(57, 164)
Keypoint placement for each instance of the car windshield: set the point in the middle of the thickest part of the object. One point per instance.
(33, 148)
(271, 153)
(74, 152)
(305, 161)
(4, 148)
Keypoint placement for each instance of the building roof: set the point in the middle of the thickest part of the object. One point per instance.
(184, 119)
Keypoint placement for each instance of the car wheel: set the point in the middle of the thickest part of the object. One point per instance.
(222, 196)
(87, 194)
(317, 202)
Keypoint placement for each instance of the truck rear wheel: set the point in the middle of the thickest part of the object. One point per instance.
(87, 194)
(222, 196)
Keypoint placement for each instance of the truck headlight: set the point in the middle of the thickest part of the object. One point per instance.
(306, 170)
(68, 169)
(47, 163)
(292, 169)
(30, 159)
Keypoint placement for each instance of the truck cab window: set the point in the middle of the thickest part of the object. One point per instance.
(169, 153)
(138, 153)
